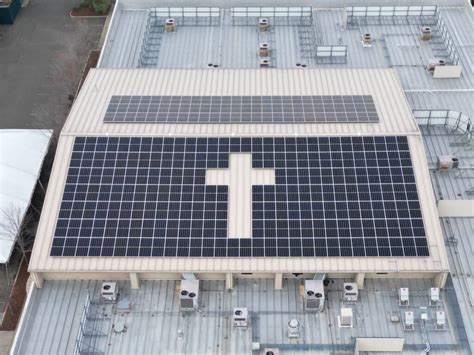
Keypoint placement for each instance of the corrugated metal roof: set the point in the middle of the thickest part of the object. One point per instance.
(155, 324)
(454, 185)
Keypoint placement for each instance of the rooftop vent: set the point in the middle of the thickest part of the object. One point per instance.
(264, 63)
(351, 292)
(271, 351)
(403, 296)
(447, 162)
(425, 33)
(108, 291)
(294, 328)
(240, 317)
(263, 50)
(263, 24)
(345, 318)
(170, 25)
(189, 295)
(367, 40)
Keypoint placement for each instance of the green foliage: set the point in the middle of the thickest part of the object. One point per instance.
(100, 6)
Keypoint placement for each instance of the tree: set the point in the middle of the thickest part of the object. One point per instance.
(17, 228)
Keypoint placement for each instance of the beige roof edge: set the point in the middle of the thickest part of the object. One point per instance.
(87, 113)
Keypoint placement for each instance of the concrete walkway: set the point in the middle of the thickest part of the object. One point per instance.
(41, 33)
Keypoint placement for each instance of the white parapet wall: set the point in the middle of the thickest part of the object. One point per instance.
(380, 344)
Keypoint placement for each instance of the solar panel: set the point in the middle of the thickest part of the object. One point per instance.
(332, 196)
(241, 109)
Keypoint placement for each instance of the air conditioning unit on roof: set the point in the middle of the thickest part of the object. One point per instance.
(404, 296)
(170, 25)
(264, 63)
(433, 63)
(109, 291)
(189, 295)
(314, 295)
(240, 317)
(447, 162)
(351, 292)
(425, 33)
(434, 295)
(264, 50)
(263, 24)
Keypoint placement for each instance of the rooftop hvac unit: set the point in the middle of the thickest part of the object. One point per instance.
(264, 50)
(264, 63)
(345, 318)
(367, 40)
(440, 320)
(351, 292)
(409, 321)
(314, 295)
(434, 295)
(108, 291)
(433, 63)
(188, 295)
(447, 162)
(271, 351)
(170, 25)
(425, 33)
(404, 297)
(263, 24)
(240, 316)
(294, 328)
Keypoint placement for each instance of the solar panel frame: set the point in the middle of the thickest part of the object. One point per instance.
(241, 109)
(333, 197)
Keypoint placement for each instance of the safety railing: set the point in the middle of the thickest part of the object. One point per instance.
(78, 346)
(331, 54)
(188, 16)
(290, 16)
(453, 119)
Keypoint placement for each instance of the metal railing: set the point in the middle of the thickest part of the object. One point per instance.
(455, 120)
(331, 54)
(289, 16)
(362, 14)
(188, 16)
(78, 346)
(446, 38)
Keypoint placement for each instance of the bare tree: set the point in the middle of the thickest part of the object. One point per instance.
(16, 227)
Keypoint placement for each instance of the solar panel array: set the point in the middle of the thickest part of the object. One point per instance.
(337, 196)
(241, 109)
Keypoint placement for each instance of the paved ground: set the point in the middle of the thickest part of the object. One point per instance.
(28, 50)
(6, 340)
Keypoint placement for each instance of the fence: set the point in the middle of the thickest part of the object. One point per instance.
(331, 54)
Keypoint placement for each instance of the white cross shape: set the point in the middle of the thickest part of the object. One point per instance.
(240, 177)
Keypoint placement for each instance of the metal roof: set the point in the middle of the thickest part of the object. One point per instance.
(155, 324)
(86, 118)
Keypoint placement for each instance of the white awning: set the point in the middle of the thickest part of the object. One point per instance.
(21, 156)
